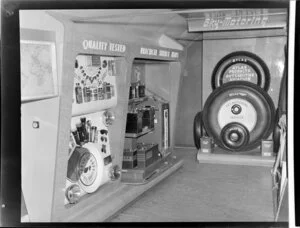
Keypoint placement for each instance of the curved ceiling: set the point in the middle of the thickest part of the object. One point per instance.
(143, 22)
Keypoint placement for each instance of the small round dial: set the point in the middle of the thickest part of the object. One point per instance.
(87, 169)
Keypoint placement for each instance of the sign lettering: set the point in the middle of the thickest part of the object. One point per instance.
(158, 52)
(103, 46)
(148, 51)
(238, 19)
(240, 71)
(230, 21)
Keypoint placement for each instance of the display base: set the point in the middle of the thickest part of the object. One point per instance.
(102, 208)
(142, 176)
(220, 156)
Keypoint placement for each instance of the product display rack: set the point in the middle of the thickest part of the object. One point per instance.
(78, 39)
(157, 160)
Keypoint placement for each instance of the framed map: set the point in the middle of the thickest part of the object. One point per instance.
(38, 70)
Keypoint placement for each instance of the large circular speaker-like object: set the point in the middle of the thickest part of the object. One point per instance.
(241, 66)
(234, 136)
(243, 103)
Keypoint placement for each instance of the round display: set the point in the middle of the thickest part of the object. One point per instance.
(244, 104)
(90, 168)
(237, 110)
(87, 169)
(234, 136)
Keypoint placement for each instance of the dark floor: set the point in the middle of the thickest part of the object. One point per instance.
(205, 193)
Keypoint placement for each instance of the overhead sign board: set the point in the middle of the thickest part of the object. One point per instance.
(238, 19)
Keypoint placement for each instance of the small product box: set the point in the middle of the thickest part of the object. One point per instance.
(129, 159)
(267, 148)
(134, 123)
(206, 144)
(147, 154)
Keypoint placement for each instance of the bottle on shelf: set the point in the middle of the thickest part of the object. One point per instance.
(132, 88)
(80, 132)
(141, 90)
(88, 130)
(136, 89)
(94, 94)
(108, 91)
(78, 93)
(88, 94)
(100, 93)
(85, 95)
(76, 136)
(96, 133)
(84, 129)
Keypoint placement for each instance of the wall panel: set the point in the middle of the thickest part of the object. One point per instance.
(189, 99)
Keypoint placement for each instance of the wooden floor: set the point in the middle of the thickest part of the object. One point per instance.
(205, 193)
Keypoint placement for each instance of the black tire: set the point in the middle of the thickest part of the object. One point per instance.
(282, 105)
(248, 93)
(255, 62)
(276, 133)
(197, 129)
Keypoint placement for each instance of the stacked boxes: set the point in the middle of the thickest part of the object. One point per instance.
(129, 159)
(147, 154)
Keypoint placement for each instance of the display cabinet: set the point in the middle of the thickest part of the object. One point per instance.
(82, 168)
(147, 137)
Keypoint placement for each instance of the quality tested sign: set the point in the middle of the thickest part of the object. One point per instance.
(103, 46)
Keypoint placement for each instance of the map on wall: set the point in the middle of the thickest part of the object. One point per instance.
(38, 70)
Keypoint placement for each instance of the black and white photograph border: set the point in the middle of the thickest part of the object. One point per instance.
(148, 113)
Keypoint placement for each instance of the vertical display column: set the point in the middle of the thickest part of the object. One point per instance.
(90, 156)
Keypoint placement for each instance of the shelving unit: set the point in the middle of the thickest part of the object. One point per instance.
(137, 135)
(137, 100)
(149, 150)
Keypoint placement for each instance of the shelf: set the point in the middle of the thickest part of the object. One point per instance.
(93, 106)
(137, 135)
(140, 176)
(100, 207)
(136, 100)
